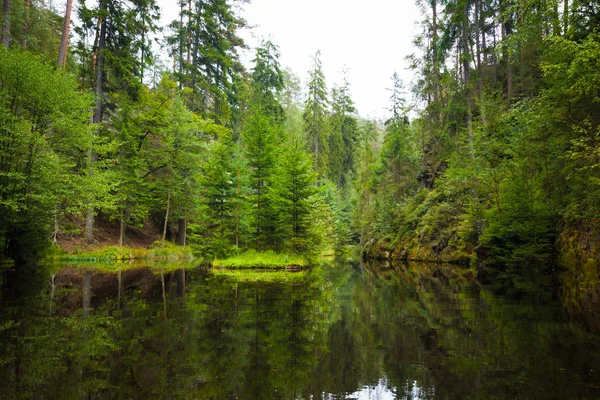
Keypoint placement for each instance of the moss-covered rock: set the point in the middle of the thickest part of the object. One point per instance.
(578, 248)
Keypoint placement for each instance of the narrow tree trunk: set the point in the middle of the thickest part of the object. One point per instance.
(97, 117)
(64, 42)
(164, 235)
(506, 55)
(434, 50)
(467, 78)
(189, 32)
(237, 212)
(181, 231)
(121, 230)
(26, 23)
(480, 28)
(469, 98)
(56, 226)
(100, 73)
(6, 24)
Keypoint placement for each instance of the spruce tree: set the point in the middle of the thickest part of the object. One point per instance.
(315, 116)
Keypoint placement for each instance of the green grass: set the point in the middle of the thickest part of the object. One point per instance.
(157, 251)
(124, 265)
(266, 259)
(261, 276)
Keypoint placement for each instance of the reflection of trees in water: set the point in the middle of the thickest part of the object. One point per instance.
(416, 330)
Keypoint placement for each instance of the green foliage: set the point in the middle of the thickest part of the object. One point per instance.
(315, 112)
(294, 199)
(44, 136)
(262, 259)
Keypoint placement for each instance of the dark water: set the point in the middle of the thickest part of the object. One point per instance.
(337, 331)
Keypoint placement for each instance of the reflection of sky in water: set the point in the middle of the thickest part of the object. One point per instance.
(383, 392)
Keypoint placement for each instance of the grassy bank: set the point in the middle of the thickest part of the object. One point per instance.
(157, 251)
(265, 259)
(261, 276)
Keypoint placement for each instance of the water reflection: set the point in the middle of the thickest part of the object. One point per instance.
(337, 331)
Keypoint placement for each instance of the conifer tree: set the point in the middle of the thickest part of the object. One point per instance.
(315, 116)
(293, 197)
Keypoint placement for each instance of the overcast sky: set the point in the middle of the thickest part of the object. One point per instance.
(370, 38)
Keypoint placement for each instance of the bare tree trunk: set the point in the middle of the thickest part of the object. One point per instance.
(164, 235)
(26, 23)
(182, 231)
(434, 48)
(237, 212)
(121, 231)
(189, 34)
(480, 28)
(64, 42)
(469, 98)
(97, 117)
(506, 55)
(6, 24)
(56, 226)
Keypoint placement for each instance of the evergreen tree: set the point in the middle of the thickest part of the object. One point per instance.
(315, 117)
(294, 198)
(343, 137)
(260, 150)
(204, 47)
(220, 205)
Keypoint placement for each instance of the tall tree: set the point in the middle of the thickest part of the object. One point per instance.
(64, 42)
(315, 116)
(206, 33)
(294, 197)
(6, 24)
(343, 137)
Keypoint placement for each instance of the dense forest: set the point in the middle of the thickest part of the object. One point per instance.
(494, 159)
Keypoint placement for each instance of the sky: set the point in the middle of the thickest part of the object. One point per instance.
(371, 39)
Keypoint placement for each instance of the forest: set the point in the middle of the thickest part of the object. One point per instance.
(489, 157)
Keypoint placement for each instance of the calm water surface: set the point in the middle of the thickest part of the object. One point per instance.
(341, 331)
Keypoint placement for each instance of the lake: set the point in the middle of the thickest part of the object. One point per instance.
(343, 330)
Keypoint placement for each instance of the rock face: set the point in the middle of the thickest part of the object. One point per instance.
(416, 249)
(578, 248)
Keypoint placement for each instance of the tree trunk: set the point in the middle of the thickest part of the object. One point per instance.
(469, 98)
(26, 22)
(64, 42)
(164, 235)
(480, 28)
(100, 73)
(506, 55)
(182, 231)
(6, 24)
(434, 50)
(97, 117)
(467, 78)
(121, 231)
(237, 212)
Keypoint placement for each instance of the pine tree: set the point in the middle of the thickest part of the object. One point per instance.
(343, 137)
(294, 198)
(220, 204)
(260, 149)
(315, 117)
